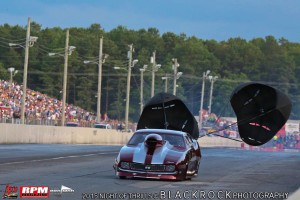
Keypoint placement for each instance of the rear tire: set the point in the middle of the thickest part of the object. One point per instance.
(122, 177)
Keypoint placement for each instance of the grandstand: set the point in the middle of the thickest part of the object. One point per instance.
(40, 109)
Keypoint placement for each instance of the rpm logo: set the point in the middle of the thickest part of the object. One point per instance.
(34, 192)
(10, 192)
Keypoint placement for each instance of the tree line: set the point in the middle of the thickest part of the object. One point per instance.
(268, 60)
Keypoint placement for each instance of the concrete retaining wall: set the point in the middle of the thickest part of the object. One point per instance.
(218, 142)
(17, 133)
(24, 134)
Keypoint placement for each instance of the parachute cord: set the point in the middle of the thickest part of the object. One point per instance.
(219, 116)
(165, 116)
(260, 115)
(238, 122)
(216, 131)
(228, 138)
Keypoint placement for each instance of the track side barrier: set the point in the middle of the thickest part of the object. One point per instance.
(217, 142)
(35, 134)
(40, 134)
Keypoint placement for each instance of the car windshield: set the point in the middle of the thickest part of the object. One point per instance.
(175, 140)
(72, 124)
(104, 126)
(100, 126)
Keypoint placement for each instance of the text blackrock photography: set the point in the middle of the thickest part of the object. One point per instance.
(188, 194)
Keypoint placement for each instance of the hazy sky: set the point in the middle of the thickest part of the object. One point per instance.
(206, 19)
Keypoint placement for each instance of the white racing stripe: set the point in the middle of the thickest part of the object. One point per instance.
(139, 154)
(57, 158)
(160, 154)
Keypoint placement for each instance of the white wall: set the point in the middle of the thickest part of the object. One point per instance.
(24, 134)
(17, 133)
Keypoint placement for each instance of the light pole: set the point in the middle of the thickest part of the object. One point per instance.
(30, 40)
(176, 74)
(205, 74)
(212, 79)
(13, 72)
(142, 70)
(65, 79)
(68, 51)
(71, 49)
(155, 68)
(99, 63)
(130, 65)
(165, 78)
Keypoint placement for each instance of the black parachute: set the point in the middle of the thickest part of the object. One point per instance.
(261, 111)
(166, 111)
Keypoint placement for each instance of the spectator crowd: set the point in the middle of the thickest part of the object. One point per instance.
(40, 108)
(286, 141)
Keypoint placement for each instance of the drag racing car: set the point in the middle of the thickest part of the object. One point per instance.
(159, 154)
(165, 144)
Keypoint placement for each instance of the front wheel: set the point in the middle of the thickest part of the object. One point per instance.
(122, 177)
(182, 174)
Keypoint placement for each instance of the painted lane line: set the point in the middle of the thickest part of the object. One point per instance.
(58, 158)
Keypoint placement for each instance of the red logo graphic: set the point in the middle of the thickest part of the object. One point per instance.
(11, 192)
(34, 192)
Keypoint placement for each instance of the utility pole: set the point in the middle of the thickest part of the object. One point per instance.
(155, 67)
(166, 84)
(101, 60)
(106, 98)
(65, 79)
(212, 79)
(165, 78)
(128, 86)
(142, 70)
(202, 97)
(99, 81)
(153, 73)
(25, 72)
(142, 95)
(175, 75)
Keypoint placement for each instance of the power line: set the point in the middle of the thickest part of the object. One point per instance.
(50, 49)
(6, 45)
(13, 40)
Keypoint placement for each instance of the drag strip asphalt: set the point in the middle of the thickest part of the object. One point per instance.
(87, 169)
